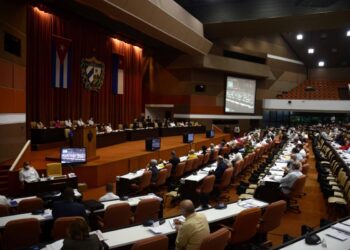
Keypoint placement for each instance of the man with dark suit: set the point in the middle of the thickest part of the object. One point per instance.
(67, 206)
(220, 169)
(174, 160)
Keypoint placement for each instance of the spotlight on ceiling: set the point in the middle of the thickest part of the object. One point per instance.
(348, 33)
(300, 36)
(321, 64)
(310, 50)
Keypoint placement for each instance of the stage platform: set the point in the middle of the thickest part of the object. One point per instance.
(122, 158)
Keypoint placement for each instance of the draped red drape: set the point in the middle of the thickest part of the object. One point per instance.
(45, 103)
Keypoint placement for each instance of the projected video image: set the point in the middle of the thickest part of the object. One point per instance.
(240, 95)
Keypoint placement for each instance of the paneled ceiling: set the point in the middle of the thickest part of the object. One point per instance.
(323, 23)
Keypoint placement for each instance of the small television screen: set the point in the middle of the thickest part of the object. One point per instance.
(188, 137)
(210, 133)
(71, 156)
(152, 144)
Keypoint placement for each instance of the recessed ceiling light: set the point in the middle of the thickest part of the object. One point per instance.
(310, 50)
(320, 63)
(348, 33)
(300, 36)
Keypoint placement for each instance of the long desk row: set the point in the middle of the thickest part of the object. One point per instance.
(47, 215)
(50, 135)
(129, 235)
(335, 236)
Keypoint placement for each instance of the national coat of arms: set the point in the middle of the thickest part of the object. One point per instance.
(92, 73)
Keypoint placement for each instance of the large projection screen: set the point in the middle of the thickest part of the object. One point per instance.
(240, 95)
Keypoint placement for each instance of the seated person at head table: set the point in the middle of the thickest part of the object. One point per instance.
(40, 125)
(220, 169)
(109, 193)
(192, 155)
(67, 206)
(78, 237)
(57, 124)
(287, 182)
(174, 160)
(80, 122)
(108, 128)
(148, 119)
(91, 122)
(191, 232)
(154, 169)
(28, 173)
(68, 123)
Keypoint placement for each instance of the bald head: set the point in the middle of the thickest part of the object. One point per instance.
(186, 207)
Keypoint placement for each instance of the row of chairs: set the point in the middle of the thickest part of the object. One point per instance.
(251, 186)
(26, 232)
(24, 206)
(333, 178)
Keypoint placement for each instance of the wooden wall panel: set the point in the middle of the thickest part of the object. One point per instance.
(19, 101)
(19, 77)
(7, 100)
(6, 74)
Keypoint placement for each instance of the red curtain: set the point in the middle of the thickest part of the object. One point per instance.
(45, 103)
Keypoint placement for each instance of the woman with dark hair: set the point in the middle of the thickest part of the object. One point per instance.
(79, 237)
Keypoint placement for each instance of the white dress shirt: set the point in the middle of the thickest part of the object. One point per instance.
(28, 175)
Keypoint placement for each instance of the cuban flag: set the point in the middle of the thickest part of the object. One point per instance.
(117, 74)
(61, 62)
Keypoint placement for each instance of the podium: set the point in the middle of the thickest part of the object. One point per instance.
(85, 137)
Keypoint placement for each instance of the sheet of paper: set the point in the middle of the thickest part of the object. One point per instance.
(336, 234)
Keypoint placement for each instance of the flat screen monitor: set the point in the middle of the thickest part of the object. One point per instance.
(73, 156)
(152, 144)
(210, 133)
(240, 95)
(188, 137)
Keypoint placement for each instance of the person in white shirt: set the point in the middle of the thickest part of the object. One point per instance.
(40, 125)
(80, 122)
(90, 122)
(287, 182)
(109, 193)
(108, 128)
(68, 123)
(28, 173)
(4, 201)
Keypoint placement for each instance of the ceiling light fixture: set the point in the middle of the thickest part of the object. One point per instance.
(300, 36)
(321, 64)
(348, 33)
(310, 50)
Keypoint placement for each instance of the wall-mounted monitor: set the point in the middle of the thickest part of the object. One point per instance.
(210, 133)
(240, 95)
(152, 144)
(73, 156)
(188, 137)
